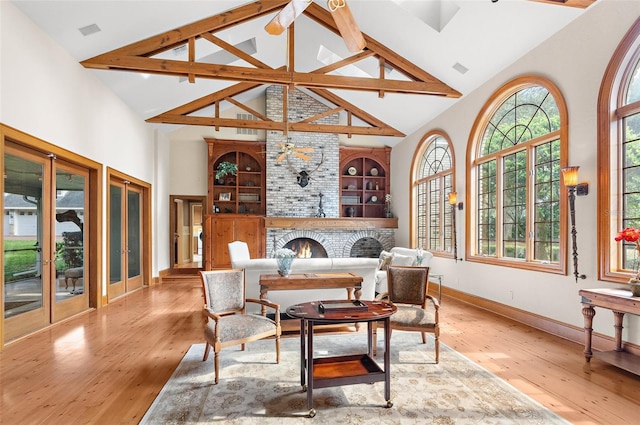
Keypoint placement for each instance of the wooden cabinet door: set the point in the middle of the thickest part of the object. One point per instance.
(251, 231)
(229, 229)
(223, 233)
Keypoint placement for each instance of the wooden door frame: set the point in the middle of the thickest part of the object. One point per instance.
(145, 188)
(172, 223)
(94, 230)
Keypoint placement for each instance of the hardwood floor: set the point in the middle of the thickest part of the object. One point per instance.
(107, 366)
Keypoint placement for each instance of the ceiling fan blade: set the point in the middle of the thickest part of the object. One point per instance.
(347, 26)
(302, 156)
(304, 149)
(281, 157)
(286, 16)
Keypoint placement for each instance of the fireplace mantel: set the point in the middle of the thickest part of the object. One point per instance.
(330, 223)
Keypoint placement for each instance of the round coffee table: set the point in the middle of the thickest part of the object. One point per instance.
(325, 372)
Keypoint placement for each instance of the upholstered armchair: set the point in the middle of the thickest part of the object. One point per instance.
(227, 322)
(417, 311)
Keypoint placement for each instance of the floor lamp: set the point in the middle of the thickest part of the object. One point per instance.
(570, 180)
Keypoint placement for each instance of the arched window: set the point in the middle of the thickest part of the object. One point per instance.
(619, 158)
(432, 183)
(517, 147)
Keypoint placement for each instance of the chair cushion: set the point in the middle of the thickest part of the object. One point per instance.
(237, 327)
(414, 317)
(402, 260)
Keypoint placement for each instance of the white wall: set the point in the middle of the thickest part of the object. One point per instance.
(49, 95)
(575, 60)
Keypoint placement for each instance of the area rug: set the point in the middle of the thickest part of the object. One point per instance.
(253, 389)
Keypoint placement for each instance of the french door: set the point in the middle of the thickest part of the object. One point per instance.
(45, 267)
(125, 237)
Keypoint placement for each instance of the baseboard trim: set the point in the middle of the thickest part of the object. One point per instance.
(572, 333)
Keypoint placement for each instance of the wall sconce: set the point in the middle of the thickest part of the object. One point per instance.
(570, 180)
(453, 199)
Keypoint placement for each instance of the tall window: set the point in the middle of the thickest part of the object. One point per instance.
(432, 182)
(517, 152)
(619, 153)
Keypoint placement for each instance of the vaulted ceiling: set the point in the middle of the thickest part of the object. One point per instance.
(186, 62)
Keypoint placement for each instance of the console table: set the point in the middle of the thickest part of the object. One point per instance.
(619, 301)
(326, 372)
(274, 282)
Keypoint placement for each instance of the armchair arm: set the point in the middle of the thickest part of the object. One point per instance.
(381, 296)
(435, 301)
(267, 303)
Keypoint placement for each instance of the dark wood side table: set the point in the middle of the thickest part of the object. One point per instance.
(333, 371)
(619, 301)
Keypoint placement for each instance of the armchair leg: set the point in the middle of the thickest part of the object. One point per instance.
(278, 349)
(207, 349)
(424, 337)
(437, 339)
(216, 365)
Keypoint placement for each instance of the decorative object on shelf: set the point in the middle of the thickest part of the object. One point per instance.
(216, 209)
(570, 180)
(352, 187)
(374, 171)
(369, 185)
(632, 234)
(285, 257)
(225, 196)
(247, 168)
(387, 206)
(419, 256)
(351, 212)
(224, 168)
(249, 183)
(373, 199)
(352, 171)
(377, 187)
(320, 213)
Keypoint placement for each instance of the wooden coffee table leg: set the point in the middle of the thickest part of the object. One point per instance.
(303, 355)
(312, 411)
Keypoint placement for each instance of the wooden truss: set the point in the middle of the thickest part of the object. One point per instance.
(140, 57)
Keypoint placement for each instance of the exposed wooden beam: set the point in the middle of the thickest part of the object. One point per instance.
(583, 4)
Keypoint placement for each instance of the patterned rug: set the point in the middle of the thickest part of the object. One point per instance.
(253, 389)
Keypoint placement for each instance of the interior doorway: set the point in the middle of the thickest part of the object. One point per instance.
(186, 241)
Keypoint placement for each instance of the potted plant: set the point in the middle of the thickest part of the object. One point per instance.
(224, 168)
(632, 234)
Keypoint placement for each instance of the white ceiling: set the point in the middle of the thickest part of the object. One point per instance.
(482, 36)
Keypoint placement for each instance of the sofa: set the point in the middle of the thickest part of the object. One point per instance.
(397, 256)
(253, 268)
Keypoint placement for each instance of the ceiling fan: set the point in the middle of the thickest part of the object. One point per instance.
(341, 15)
(289, 148)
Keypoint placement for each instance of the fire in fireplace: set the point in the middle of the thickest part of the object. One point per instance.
(306, 248)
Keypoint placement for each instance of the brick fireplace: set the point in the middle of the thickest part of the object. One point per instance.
(293, 212)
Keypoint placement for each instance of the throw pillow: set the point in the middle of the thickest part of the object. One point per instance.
(402, 260)
(385, 260)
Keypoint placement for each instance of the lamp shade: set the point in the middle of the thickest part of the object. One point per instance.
(570, 176)
(453, 198)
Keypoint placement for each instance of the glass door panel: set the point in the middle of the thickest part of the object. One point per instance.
(116, 246)
(71, 287)
(26, 293)
(134, 239)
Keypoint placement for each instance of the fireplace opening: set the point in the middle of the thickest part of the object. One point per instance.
(366, 247)
(306, 248)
